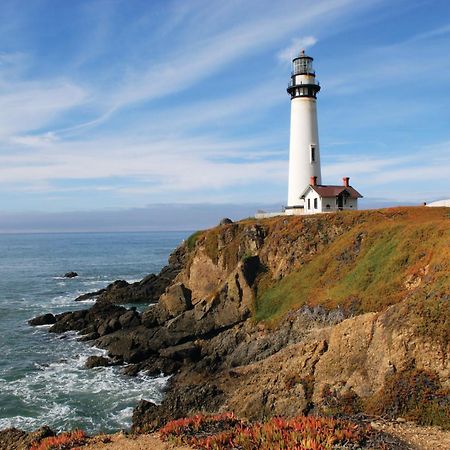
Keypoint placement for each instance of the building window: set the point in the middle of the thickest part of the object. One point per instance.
(313, 153)
(309, 203)
(315, 203)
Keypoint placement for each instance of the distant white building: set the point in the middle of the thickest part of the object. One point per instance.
(439, 203)
(328, 198)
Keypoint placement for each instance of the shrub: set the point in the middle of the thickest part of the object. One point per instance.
(62, 441)
(414, 394)
(300, 433)
(192, 240)
(335, 403)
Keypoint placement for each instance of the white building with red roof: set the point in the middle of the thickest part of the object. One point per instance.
(319, 198)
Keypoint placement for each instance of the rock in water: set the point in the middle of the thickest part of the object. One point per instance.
(70, 275)
(45, 319)
(97, 361)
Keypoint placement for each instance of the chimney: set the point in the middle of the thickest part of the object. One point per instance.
(346, 181)
(313, 181)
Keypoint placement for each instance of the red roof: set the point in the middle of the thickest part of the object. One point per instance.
(333, 191)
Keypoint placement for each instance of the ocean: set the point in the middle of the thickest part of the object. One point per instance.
(42, 376)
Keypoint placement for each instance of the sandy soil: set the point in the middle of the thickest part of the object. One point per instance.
(420, 438)
(121, 441)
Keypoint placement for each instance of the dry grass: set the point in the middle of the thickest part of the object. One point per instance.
(382, 258)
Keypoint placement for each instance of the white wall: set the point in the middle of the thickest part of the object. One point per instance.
(352, 203)
(304, 133)
(440, 203)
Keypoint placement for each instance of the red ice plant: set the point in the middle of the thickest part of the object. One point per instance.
(62, 441)
(227, 432)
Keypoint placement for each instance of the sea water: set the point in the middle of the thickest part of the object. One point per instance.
(42, 375)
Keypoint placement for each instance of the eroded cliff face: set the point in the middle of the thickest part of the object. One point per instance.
(354, 357)
(319, 355)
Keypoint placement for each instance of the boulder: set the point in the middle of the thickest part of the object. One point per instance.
(225, 221)
(130, 319)
(45, 319)
(176, 300)
(97, 361)
(70, 275)
(189, 351)
(154, 315)
(181, 401)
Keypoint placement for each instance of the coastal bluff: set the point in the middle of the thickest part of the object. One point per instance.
(338, 314)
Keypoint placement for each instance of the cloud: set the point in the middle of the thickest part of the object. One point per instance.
(303, 43)
(30, 105)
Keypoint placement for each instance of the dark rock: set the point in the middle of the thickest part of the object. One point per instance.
(180, 401)
(131, 370)
(89, 295)
(189, 350)
(45, 319)
(70, 275)
(97, 361)
(88, 319)
(148, 290)
(225, 221)
(130, 319)
(154, 315)
(89, 337)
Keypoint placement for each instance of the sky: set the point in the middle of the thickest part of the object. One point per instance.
(123, 105)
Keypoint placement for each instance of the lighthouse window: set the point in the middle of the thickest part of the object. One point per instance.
(315, 203)
(313, 154)
(309, 203)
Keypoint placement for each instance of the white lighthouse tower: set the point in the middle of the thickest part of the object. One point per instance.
(304, 153)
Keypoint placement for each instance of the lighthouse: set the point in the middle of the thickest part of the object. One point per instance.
(304, 150)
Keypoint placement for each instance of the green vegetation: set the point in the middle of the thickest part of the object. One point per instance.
(378, 262)
(192, 240)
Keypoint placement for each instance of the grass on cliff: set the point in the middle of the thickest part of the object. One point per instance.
(380, 261)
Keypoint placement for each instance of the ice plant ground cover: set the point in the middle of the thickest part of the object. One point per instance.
(225, 431)
(66, 440)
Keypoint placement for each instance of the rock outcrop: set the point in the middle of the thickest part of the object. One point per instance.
(15, 439)
(148, 290)
(284, 316)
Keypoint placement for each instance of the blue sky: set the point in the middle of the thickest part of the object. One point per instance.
(125, 103)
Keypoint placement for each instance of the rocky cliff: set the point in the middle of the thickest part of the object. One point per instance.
(336, 314)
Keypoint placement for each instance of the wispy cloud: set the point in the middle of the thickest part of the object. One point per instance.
(303, 43)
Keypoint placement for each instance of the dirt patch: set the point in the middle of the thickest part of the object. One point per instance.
(420, 438)
(121, 441)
